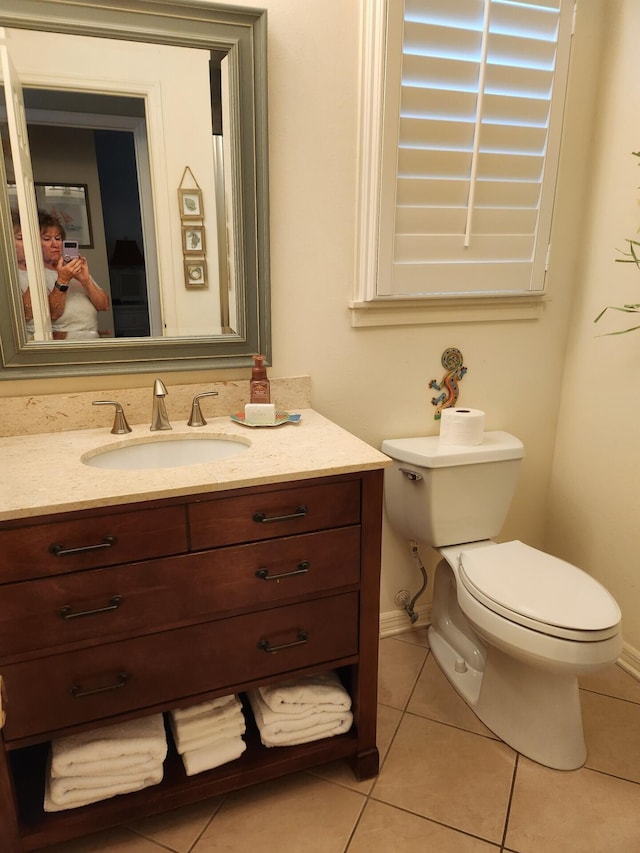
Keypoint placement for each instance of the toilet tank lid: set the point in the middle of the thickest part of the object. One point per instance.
(427, 452)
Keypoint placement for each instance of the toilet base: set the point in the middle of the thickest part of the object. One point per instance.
(535, 711)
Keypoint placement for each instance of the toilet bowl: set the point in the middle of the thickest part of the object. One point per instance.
(512, 627)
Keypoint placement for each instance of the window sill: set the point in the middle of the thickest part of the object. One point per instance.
(392, 311)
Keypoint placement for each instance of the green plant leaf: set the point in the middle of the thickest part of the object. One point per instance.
(630, 257)
(626, 309)
(621, 332)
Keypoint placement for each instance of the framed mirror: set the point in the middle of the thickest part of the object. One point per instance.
(146, 136)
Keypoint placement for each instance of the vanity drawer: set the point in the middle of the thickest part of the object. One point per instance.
(74, 608)
(275, 513)
(90, 541)
(93, 684)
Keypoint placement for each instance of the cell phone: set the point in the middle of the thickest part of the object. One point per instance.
(69, 250)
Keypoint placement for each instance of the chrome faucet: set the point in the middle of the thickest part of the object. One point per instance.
(159, 417)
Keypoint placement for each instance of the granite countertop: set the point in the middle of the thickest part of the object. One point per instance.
(44, 473)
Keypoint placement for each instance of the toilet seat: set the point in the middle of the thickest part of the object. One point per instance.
(539, 591)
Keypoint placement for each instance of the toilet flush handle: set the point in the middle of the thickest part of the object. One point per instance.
(410, 475)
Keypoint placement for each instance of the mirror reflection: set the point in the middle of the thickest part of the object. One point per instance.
(93, 172)
(99, 144)
(143, 134)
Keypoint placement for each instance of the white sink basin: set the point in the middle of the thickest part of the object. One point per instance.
(164, 452)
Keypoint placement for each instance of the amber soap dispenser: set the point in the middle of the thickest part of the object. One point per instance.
(260, 390)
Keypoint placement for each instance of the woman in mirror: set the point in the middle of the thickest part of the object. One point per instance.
(75, 298)
(24, 277)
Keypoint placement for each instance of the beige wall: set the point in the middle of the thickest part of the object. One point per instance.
(374, 381)
(594, 504)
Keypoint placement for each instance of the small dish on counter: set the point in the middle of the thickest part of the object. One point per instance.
(281, 418)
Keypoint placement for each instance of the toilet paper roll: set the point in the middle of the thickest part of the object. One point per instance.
(461, 427)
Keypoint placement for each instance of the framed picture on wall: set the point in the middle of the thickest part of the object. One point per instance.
(195, 273)
(193, 240)
(69, 203)
(190, 204)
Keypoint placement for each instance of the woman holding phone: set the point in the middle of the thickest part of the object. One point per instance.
(75, 298)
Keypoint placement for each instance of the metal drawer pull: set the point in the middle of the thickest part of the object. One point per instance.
(114, 602)
(263, 518)
(77, 692)
(61, 551)
(302, 569)
(264, 646)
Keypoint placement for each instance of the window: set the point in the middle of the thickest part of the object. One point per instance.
(461, 126)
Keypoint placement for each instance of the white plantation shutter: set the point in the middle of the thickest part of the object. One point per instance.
(473, 116)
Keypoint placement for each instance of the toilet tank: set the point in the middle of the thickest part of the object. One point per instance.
(445, 495)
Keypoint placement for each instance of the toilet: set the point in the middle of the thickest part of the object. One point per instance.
(512, 628)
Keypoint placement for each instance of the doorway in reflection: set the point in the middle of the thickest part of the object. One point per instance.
(99, 141)
(117, 173)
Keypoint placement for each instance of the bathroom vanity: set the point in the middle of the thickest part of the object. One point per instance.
(127, 593)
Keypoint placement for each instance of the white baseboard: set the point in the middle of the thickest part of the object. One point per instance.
(398, 622)
(629, 660)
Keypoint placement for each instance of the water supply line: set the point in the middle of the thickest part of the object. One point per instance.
(410, 605)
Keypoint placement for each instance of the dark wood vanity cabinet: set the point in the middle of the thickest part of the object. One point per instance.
(117, 612)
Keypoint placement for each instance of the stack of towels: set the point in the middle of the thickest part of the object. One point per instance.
(209, 734)
(95, 765)
(305, 709)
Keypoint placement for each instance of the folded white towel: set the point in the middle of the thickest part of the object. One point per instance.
(179, 714)
(208, 757)
(288, 729)
(318, 732)
(297, 720)
(322, 690)
(205, 721)
(109, 769)
(207, 736)
(74, 786)
(110, 750)
(72, 792)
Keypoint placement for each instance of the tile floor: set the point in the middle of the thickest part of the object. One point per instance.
(446, 785)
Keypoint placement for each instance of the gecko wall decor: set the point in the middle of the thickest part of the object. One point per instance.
(452, 361)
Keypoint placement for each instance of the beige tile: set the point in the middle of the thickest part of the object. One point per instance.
(612, 733)
(180, 828)
(109, 841)
(388, 722)
(341, 773)
(399, 667)
(572, 812)
(293, 814)
(613, 681)
(449, 775)
(383, 829)
(434, 697)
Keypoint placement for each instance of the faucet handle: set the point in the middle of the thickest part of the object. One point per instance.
(196, 418)
(120, 425)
